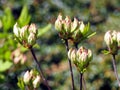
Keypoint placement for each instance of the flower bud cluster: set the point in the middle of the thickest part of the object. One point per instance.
(26, 35)
(81, 58)
(67, 29)
(112, 39)
(32, 77)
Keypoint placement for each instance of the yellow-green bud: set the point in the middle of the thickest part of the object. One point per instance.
(118, 38)
(74, 25)
(72, 54)
(31, 39)
(36, 82)
(82, 26)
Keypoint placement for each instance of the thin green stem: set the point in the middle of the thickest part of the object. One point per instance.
(39, 68)
(81, 79)
(70, 66)
(115, 69)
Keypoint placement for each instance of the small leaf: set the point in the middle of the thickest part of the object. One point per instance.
(41, 31)
(105, 52)
(92, 34)
(5, 65)
(25, 17)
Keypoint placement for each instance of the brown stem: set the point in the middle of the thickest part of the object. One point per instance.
(115, 69)
(81, 79)
(70, 65)
(39, 68)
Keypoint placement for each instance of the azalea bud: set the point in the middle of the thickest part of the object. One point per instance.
(67, 24)
(16, 30)
(27, 77)
(111, 40)
(32, 28)
(82, 26)
(84, 56)
(31, 39)
(23, 31)
(74, 25)
(36, 82)
(58, 23)
(118, 38)
(108, 38)
(72, 54)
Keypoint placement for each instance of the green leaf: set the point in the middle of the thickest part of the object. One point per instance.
(105, 52)
(92, 34)
(25, 17)
(7, 19)
(41, 31)
(21, 84)
(5, 65)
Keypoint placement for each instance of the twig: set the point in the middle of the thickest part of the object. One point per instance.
(115, 70)
(81, 79)
(39, 68)
(70, 65)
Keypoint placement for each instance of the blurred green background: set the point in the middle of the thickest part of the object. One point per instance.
(103, 15)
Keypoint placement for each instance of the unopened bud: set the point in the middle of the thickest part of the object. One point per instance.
(31, 39)
(16, 30)
(32, 28)
(23, 31)
(36, 82)
(118, 38)
(67, 24)
(72, 54)
(74, 25)
(82, 26)
(27, 77)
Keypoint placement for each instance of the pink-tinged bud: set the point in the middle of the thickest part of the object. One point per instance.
(84, 56)
(31, 39)
(74, 25)
(36, 82)
(108, 38)
(16, 30)
(118, 38)
(32, 28)
(23, 31)
(67, 24)
(59, 23)
(27, 77)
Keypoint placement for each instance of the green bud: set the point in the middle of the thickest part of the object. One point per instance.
(27, 77)
(36, 82)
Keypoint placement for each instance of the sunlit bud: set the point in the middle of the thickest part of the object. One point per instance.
(27, 77)
(58, 23)
(32, 28)
(82, 26)
(36, 82)
(84, 56)
(72, 54)
(16, 30)
(23, 31)
(108, 38)
(118, 38)
(67, 24)
(31, 39)
(74, 25)
(114, 35)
